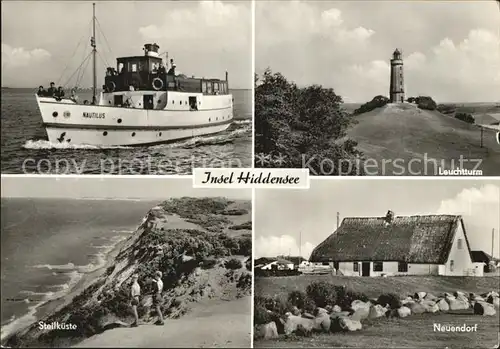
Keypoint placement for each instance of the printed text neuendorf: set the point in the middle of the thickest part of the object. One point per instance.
(239, 178)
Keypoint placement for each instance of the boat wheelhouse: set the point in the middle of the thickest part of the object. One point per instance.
(144, 101)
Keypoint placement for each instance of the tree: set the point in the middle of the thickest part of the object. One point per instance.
(376, 102)
(302, 127)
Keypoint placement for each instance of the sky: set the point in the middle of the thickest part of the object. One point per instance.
(205, 38)
(286, 218)
(138, 187)
(451, 50)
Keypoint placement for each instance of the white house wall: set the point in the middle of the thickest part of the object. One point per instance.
(389, 268)
(462, 263)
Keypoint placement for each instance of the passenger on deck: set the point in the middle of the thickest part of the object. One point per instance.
(171, 71)
(74, 97)
(59, 92)
(161, 69)
(52, 90)
(41, 92)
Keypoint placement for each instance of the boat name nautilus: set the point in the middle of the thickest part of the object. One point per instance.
(94, 115)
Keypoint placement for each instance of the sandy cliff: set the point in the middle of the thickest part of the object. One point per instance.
(202, 246)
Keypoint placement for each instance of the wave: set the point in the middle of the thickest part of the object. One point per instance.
(16, 324)
(242, 122)
(44, 144)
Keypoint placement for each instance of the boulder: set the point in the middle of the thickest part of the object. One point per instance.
(430, 306)
(459, 294)
(377, 311)
(340, 314)
(361, 310)
(266, 331)
(320, 311)
(447, 294)
(456, 304)
(417, 308)
(483, 308)
(443, 305)
(292, 321)
(420, 295)
(495, 301)
(348, 325)
(303, 331)
(336, 309)
(308, 316)
(403, 311)
(322, 323)
(295, 311)
(430, 297)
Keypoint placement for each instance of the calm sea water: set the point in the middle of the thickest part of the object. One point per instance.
(49, 244)
(25, 148)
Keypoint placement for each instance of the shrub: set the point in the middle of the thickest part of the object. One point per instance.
(391, 299)
(243, 226)
(297, 298)
(446, 108)
(411, 100)
(345, 297)
(293, 123)
(233, 264)
(465, 117)
(248, 264)
(426, 102)
(376, 102)
(261, 316)
(322, 293)
(245, 282)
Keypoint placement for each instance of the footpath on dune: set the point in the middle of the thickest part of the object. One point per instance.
(405, 140)
(221, 324)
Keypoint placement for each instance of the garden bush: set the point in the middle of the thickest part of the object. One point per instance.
(322, 293)
(391, 299)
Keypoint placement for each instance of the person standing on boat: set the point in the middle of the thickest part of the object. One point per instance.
(74, 97)
(60, 92)
(161, 69)
(157, 296)
(52, 90)
(135, 293)
(41, 92)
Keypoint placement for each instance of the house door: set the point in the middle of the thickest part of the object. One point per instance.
(147, 101)
(365, 269)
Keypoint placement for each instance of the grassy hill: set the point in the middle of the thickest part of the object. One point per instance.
(375, 286)
(404, 132)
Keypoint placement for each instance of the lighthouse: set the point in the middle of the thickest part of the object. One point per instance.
(396, 91)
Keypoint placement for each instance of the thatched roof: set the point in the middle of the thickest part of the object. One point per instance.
(412, 239)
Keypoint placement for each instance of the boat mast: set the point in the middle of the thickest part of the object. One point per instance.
(94, 51)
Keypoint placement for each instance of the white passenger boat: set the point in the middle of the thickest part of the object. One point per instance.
(143, 102)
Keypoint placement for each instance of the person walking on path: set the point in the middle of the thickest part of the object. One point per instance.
(135, 293)
(157, 296)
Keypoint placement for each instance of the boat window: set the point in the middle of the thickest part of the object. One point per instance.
(209, 87)
(141, 66)
(204, 87)
(133, 67)
(216, 87)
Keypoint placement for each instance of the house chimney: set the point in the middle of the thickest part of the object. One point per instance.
(389, 217)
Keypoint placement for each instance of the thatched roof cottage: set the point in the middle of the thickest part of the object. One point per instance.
(398, 245)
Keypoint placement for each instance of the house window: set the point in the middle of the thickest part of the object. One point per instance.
(355, 266)
(459, 244)
(402, 267)
(452, 265)
(378, 266)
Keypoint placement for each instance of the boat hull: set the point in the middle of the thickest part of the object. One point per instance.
(100, 125)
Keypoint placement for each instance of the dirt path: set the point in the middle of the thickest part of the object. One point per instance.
(214, 324)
